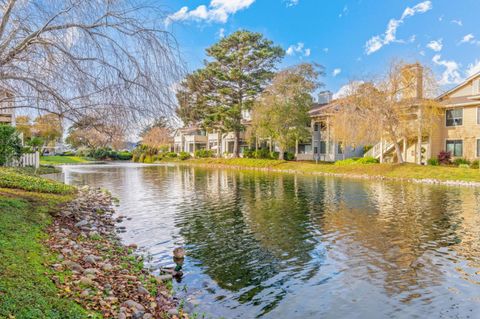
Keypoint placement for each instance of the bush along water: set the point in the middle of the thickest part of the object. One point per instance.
(204, 153)
(361, 160)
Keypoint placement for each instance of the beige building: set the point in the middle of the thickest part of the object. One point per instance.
(459, 130)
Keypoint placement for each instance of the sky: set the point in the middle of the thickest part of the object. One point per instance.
(352, 39)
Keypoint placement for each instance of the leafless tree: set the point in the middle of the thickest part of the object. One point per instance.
(109, 60)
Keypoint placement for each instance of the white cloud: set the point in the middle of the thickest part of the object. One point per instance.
(457, 22)
(347, 89)
(473, 68)
(435, 45)
(298, 48)
(292, 3)
(470, 38)
(451, 74)
(376, 42)
(221, 33)
(344, 12)
(336, 72)
(217, 11)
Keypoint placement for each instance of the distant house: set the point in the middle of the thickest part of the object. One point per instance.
(322, 146)
(7, 112)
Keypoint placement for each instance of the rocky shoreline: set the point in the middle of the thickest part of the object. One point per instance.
(93, 267)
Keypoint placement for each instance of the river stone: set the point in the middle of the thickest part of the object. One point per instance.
(142, 290)
(163, 278)
(107, 267)
(90, 271)
(81, 223)
(172, 312)
(148, 316)
(73, 265)
(122, 315)
(138, 314)
(133, 305)
(86, 281)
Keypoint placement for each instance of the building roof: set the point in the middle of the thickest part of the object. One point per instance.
(324, 109)
(466, 82)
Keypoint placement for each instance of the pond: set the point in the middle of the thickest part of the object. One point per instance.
(287, 246)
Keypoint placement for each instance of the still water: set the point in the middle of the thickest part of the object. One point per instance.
(286, 246)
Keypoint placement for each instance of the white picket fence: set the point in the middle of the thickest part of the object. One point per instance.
(27, 159)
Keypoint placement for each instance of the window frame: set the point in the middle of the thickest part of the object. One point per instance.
(446, 118)
(454, 140)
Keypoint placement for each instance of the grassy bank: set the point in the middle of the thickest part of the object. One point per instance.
(394, 171)
(26, 290)
(61, 160)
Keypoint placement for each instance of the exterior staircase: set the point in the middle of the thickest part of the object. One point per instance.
(376, 150)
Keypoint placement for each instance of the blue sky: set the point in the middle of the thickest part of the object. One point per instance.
(351, 38)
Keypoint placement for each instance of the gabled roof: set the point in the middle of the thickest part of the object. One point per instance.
(323, 109)
(466, 82)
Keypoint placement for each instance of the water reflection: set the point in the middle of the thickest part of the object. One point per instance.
(287, 246)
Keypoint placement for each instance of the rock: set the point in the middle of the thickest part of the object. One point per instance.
(107, 267)
(66, 251)
(86, 281)
(91, 259)
(90, 271)
(172, 312)
(132, 246)
(93, 234)
(148, 316)
(107, 287)
(57, 267)
(72, 265)
(85, 293)
(179, 252)
(112, 299)
(133, 305)
(142, 290)
(163, 278)
(138, 314)
(130, 277)
(81, 223)
(122, 315)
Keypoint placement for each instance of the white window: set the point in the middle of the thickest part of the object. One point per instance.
(455, 147)
(454, 117)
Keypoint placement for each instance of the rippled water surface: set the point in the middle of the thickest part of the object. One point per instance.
(285, 246)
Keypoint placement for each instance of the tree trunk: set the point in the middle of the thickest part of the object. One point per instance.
(281, 153)
(398, 151)
(236, 144)
(419, 137)
(219, 144)
(296, 149)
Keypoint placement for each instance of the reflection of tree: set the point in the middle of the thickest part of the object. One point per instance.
(390, 240)
(251, 230)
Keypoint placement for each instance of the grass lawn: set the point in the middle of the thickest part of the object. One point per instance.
(441, 173)
(60, 160)
(26, 290)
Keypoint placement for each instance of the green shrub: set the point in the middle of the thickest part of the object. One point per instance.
(348, 161)
(248, 153)
(124, 155)
(10, 144)
(184, 155)
(204, 153)
(135, 158)
(13, 179)
(261, 153)
(367, 160)
(273, 155)
(289, 156)
(464, 166)
(142, 158)
(172, 154)
(460, 161)
(148, 159)
(69, 153)
(474, 164)
(433, 161)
